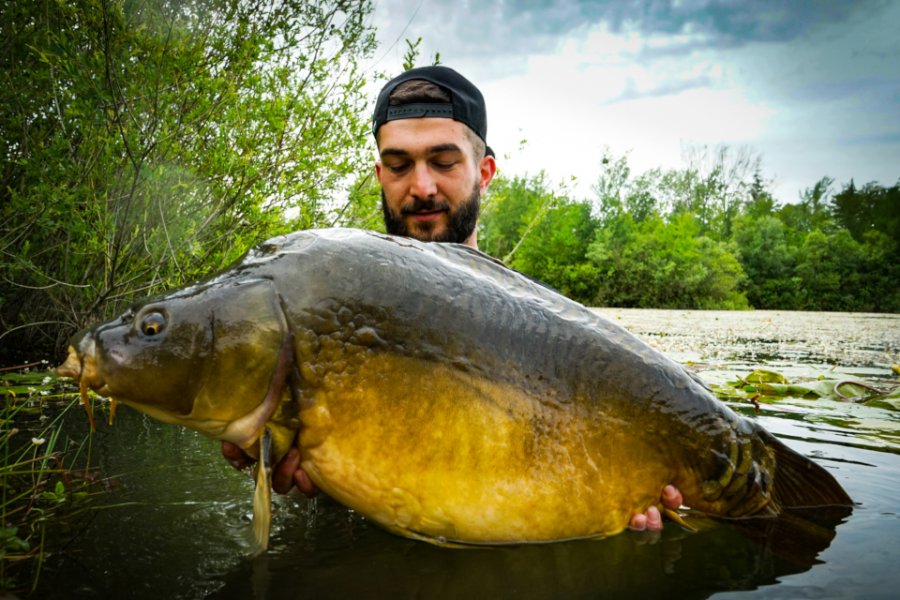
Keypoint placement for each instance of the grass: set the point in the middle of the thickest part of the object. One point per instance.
(44, 474)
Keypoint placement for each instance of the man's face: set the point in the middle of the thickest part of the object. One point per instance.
(431, 184)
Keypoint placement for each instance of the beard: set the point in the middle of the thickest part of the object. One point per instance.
(460, 226)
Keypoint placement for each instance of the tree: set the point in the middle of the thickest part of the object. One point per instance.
(830, 270)
(870, 208)
(612, 187)
(555, 252)
(145, 143)
(760, 203)
(812, 212)
(664, 265)
(769, 262)
(511, 210)
(362, 209)
(714, 186)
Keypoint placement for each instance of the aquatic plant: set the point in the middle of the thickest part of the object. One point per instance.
(43, 474)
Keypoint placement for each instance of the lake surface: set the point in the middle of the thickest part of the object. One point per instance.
(175, 523)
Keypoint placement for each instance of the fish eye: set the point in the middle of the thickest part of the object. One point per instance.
(153, 324)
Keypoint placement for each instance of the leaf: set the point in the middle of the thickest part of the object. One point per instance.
(765, 376)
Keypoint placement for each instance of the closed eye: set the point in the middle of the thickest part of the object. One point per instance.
(444, 165)
(398, 169)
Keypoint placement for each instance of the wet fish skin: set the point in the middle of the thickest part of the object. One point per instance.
(444, 396)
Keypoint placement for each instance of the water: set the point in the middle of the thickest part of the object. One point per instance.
(175, 523)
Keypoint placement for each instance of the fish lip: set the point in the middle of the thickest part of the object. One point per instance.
(71, 367)
(81, 366)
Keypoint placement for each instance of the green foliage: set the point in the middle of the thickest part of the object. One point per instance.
(411, 54)
(816, 270)
(617, 259)
(144, 143)
(769, 262)
(555, 251)
(830, 251)
(871, 208)
(363, 207)
(510, 211)
(540, 233)
(706, 236)
(829, 270)
(665, 265)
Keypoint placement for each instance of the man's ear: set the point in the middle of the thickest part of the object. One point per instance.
(378, 170)
(487, 169)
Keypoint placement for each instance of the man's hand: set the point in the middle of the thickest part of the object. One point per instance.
(286, 474)
(652, 520)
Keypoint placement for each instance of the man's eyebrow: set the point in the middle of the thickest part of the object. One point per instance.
(430, 150)
(443, 148)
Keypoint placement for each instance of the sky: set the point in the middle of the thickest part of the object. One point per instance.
(811, 87)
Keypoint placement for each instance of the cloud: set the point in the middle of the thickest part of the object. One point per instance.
(664, 88)
(729, 24)
(888, 138)
(502, 29)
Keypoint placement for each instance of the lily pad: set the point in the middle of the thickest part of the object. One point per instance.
(765, 376)
(763, 384)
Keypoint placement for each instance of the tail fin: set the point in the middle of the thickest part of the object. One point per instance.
(801, 483)
(807, 505)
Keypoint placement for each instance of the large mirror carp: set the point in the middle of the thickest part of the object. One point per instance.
(439, 393)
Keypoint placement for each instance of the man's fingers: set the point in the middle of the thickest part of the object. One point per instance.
(647, 521)
(654, 519)
(234, 455)
(305, 484)
(283, 475)
(638, 522)
(671, 497)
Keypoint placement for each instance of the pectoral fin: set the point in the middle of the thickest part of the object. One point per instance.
(262, 498)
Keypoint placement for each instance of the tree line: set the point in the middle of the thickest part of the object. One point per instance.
(144, 144)
(708, 235)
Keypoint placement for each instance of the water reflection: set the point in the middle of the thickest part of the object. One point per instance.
(375, 564)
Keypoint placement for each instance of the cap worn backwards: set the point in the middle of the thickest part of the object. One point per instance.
(466, 102)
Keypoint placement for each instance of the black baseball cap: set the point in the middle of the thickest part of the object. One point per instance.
(466, 102)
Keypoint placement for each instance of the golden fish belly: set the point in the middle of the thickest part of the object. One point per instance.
(434, 451)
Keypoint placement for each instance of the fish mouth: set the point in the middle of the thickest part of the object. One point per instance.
(82, 367)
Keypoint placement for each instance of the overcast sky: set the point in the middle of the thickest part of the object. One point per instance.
(811, 86)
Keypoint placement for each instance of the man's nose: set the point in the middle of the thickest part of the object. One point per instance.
(423, 183)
